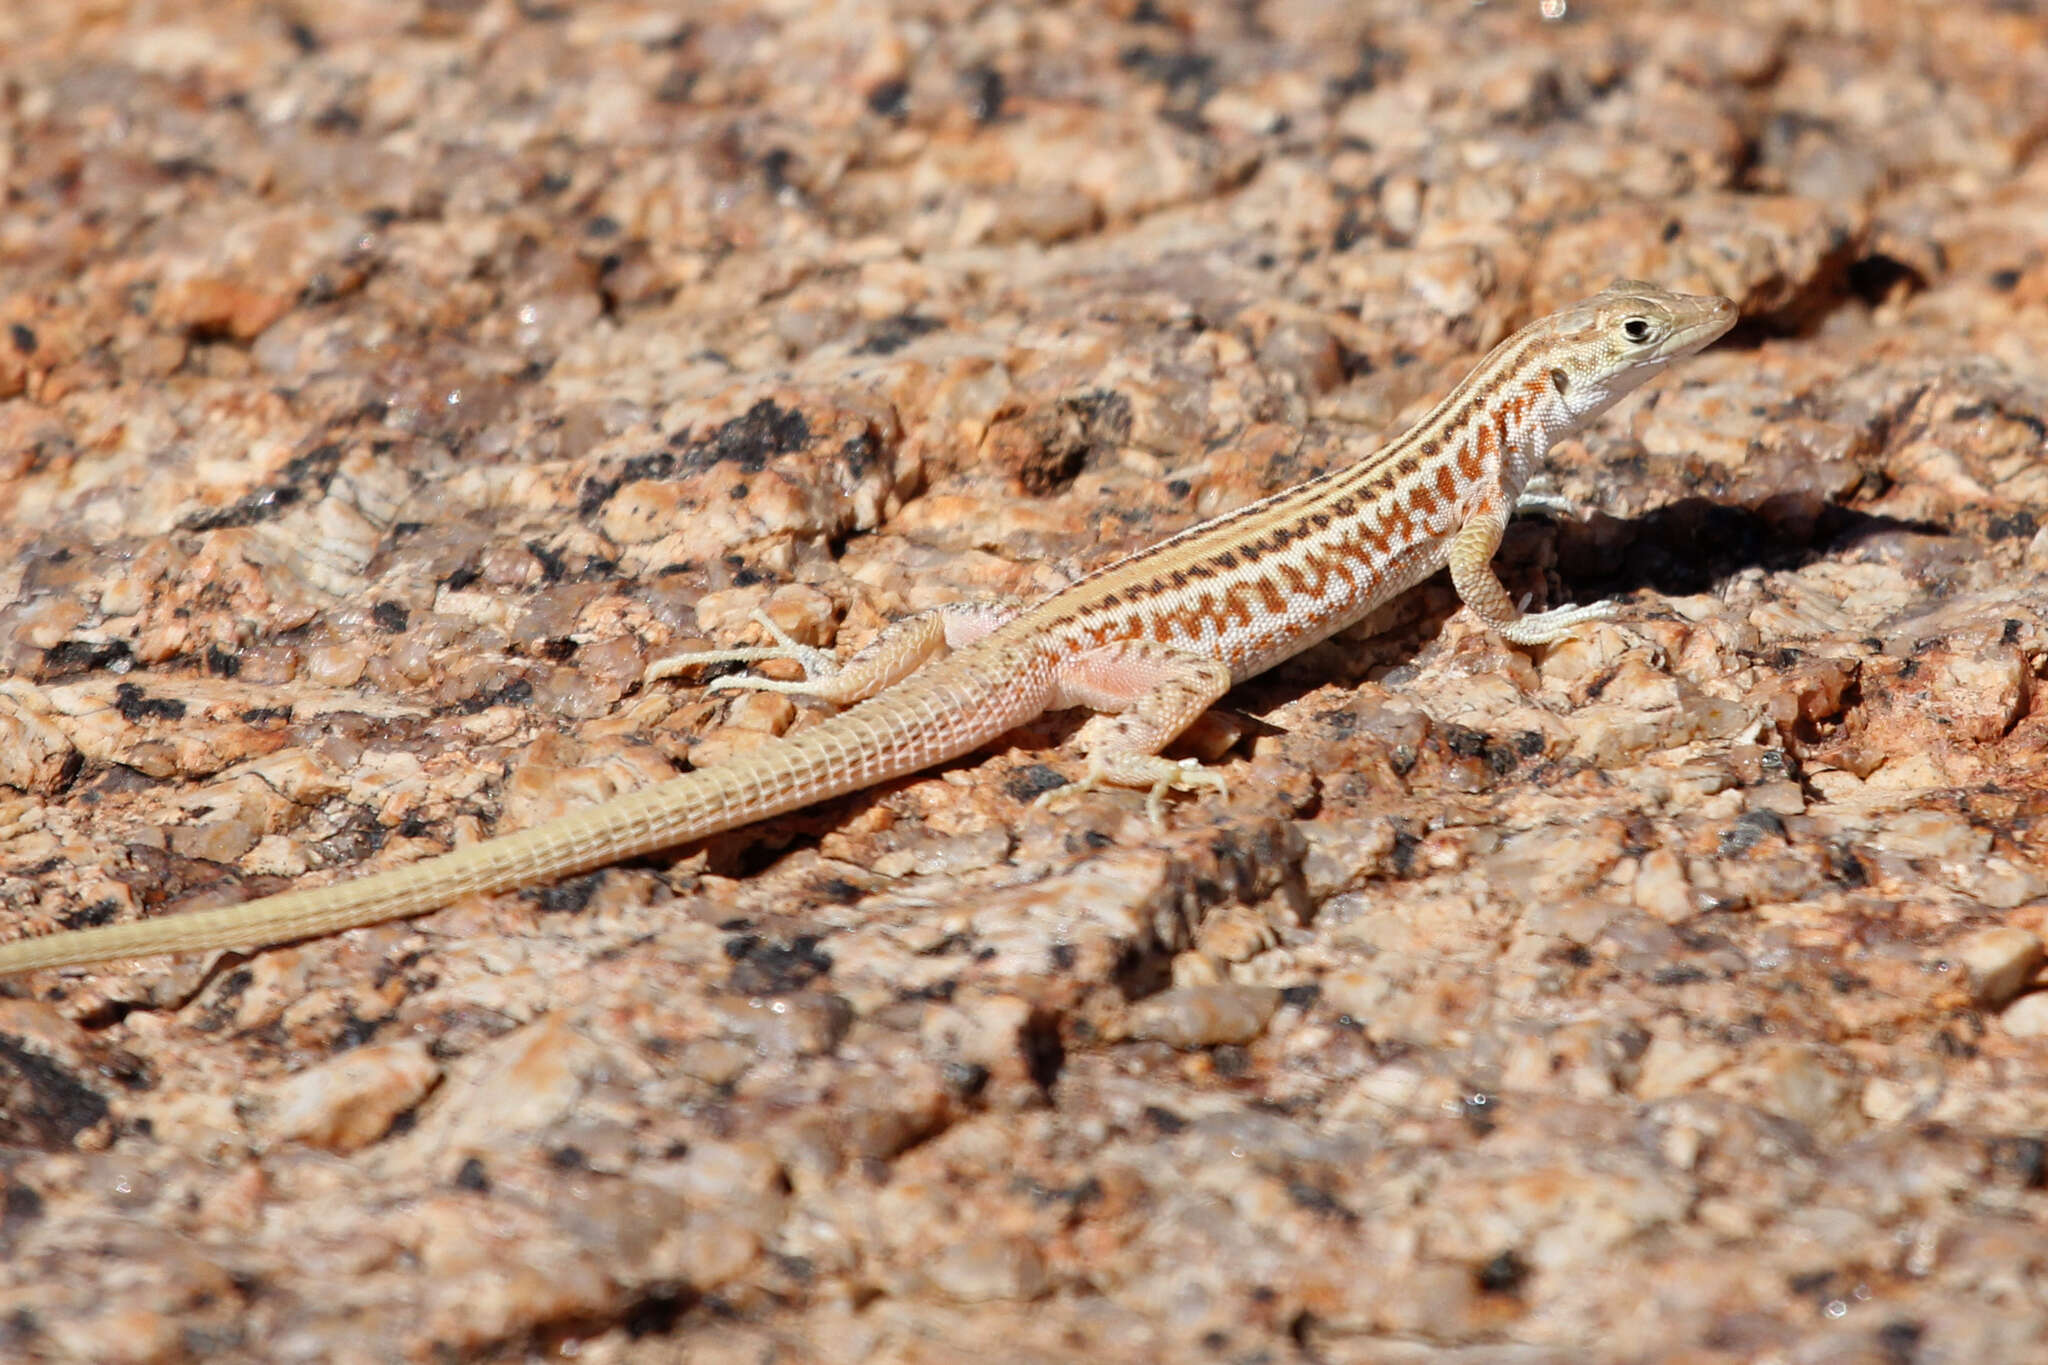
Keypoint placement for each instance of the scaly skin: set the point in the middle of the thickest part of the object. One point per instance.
(1150, 641)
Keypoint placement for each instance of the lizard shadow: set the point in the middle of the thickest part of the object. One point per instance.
(1688, 546)
(1680, 549)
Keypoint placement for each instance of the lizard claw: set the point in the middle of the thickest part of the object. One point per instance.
(1541, 628)
(817, 664)
(1188, 776)
(1088, 781)
(1156, 775)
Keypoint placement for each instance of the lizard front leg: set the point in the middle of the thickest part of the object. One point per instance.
(1472, 573)
(901, 649)
(1149, 693)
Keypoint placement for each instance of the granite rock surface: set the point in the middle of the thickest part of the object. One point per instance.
(384, 384)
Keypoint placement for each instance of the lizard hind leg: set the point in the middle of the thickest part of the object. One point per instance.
(899, 650)
(1148, 693)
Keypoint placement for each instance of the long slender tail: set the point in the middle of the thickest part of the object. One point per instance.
(949, 709)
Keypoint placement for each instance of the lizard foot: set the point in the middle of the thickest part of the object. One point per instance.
(1543, 627)
(1554, 506)
(1156, 775)
(818, 664)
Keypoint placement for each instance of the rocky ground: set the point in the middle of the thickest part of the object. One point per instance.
(385, 383)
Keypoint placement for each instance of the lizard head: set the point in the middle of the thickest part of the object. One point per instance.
(1625, 334)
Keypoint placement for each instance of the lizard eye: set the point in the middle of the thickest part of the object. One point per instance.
(1636, 330)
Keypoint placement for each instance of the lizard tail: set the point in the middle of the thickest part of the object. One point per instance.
(948, 710)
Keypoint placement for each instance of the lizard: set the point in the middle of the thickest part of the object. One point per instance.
(1148, 642)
